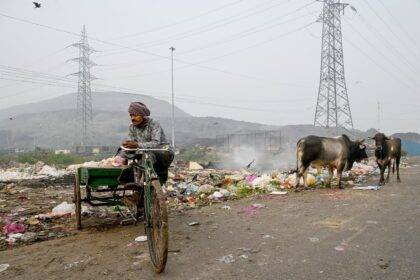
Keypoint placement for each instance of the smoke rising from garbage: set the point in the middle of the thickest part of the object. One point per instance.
(245, 155)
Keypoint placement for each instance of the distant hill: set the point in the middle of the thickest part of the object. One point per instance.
(408, 136)
(52, 123)
(101, 101)
(410, 142)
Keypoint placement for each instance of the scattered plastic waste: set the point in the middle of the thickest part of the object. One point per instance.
(4, 266)
(226, 259)
(217, 195)
(191, 190)
(189, 185)
(278, 192)
(226, 207)
(64, 208)
(195, 223)
(12, 228)
(314, 239)
(205, 189)
(192, 165)
(28, 236)
(373, 188)
(254, 209)
(339, 248)
(251, 178)
(141, 238)
(310, 180)
(332, 223)
(13, 237)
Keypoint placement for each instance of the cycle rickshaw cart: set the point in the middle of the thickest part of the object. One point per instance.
(135, 186)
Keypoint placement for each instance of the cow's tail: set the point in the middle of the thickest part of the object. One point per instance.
(297, 159)
(393, 166)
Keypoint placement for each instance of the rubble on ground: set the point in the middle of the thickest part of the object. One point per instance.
(29, 214)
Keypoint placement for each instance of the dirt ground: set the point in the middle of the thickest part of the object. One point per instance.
(317, 234)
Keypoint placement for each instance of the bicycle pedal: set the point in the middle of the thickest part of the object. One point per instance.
(126, 222)
(132, 186)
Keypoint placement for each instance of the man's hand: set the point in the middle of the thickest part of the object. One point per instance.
(130, 144)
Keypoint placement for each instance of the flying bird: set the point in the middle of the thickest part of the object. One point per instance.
(37, 5)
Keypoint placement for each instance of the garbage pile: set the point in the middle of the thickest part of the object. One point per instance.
(37, 171)
(41, 174)
(193, 185)
(108, 162)
(29, 214)
(22, 218)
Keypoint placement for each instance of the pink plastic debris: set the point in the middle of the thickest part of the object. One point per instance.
(254, 209)
(119, 161)
(14, 228)
(250, 178)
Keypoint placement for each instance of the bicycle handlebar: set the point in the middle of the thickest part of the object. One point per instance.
(144, 150)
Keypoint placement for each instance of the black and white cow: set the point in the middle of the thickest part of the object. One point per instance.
(334, 153)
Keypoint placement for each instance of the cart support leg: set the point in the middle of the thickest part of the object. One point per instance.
(78, 201)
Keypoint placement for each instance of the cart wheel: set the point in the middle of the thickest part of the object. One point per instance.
(156, 225)
(77, 202)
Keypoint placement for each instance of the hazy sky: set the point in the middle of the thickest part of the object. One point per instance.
(251, 60)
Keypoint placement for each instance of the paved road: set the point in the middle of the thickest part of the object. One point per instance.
(321, 234)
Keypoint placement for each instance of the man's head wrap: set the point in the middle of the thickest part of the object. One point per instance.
(138, 108)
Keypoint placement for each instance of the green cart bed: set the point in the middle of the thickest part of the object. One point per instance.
(100, 180)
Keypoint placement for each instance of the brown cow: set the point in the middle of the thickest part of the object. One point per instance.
(386, 150)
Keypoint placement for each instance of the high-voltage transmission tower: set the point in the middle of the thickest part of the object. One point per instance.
(84, 95)
(333, 107)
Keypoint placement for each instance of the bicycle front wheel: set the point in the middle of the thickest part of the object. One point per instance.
(156, 225)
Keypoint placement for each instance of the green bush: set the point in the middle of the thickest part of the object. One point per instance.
(50, 158)
(198, 154)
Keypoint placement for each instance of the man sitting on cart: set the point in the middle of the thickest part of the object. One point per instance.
(146, 133)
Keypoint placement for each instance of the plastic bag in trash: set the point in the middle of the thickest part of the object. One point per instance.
(64, 208)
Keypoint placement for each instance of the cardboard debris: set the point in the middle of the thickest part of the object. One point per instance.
(192, 165)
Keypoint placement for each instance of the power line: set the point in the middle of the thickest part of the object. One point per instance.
(197, 29)
(65, 83)
(130, 48)
(384, 69)
(186, 34)
(400, 25)
(199, 16)
(230, 39)
(233, 53)
(390, 29)
(387, 43)
(375, 48)
(251, 31)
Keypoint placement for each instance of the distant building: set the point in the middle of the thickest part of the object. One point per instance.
(62, 152)
(12, 151)
(95, 150)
